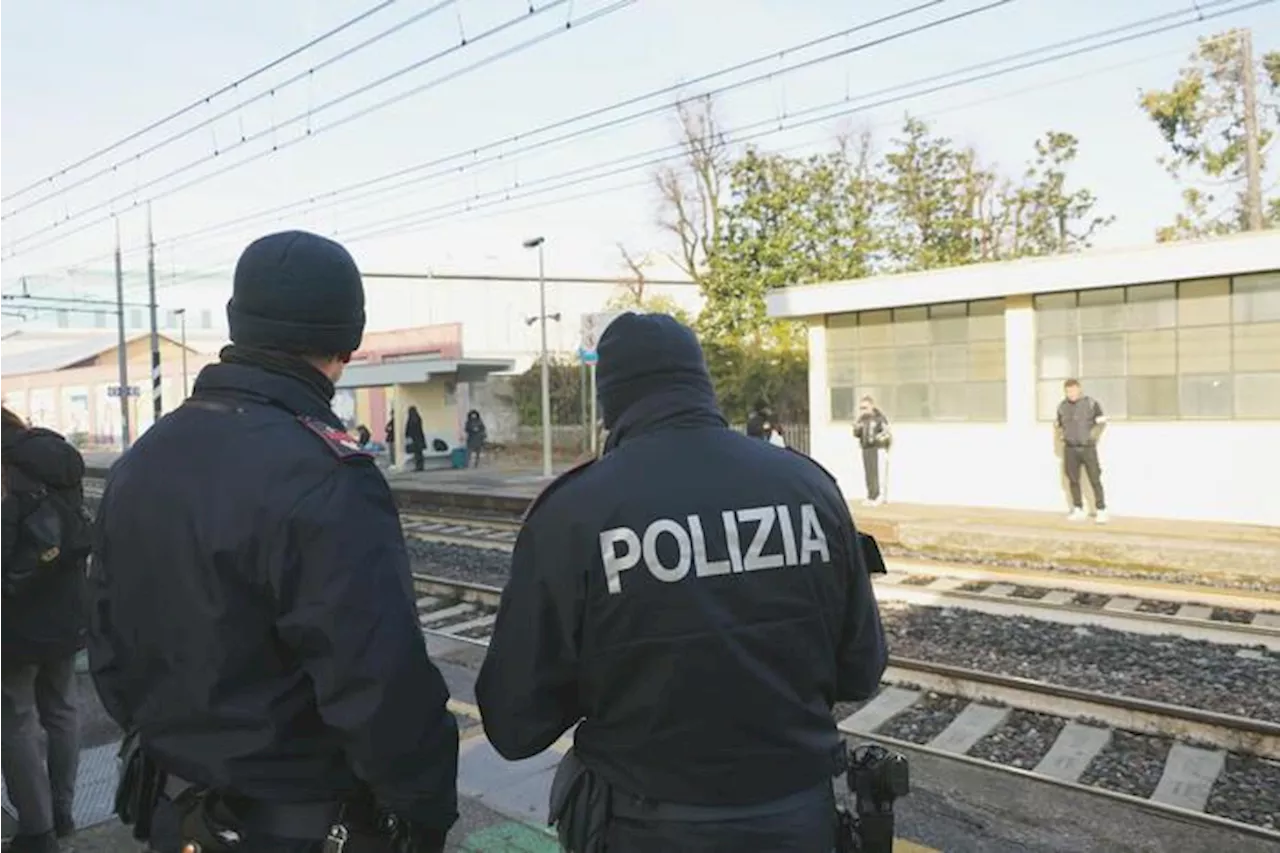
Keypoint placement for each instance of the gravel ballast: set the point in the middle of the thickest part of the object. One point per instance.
(458, 562)
(1129, 763)
(924, 720)
(1162, 669)
(1247, 790)
(1021, 740)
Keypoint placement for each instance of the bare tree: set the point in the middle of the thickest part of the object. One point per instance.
(635, 282)
(691, 192)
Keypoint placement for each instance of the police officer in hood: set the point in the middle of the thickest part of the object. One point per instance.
(254, 626)
(695, 601)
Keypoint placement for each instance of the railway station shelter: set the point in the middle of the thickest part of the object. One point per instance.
(1179, 343)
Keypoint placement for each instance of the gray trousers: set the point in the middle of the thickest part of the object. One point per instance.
(40, 777)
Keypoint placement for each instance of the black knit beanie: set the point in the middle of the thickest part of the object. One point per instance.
(297, 292)
(643, 354)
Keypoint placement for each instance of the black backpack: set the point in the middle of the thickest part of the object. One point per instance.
(54, 530)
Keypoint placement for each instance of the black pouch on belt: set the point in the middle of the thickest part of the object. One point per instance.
(580, 806)
(139, 788)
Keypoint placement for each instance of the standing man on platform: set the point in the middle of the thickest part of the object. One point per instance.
(254, 620)
(698, 601)
(1079, 417)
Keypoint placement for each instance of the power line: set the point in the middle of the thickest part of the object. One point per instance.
(587, 18)
(406, 223)
(199, 102)
(526, 279)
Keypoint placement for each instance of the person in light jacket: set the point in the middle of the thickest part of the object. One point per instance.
(872, 431)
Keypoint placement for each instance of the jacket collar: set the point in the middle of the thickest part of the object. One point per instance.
(276, 389)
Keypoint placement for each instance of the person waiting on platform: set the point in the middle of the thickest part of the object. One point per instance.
(415, 440)
(477, 434)
(1079, 417)
(872, 431)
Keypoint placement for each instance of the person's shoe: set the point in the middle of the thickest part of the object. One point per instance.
(1101, 517)
(1076, 514)
(44, 843)
(64, 825)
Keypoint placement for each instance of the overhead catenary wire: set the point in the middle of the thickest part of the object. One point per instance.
(310, 134)
(406, 223)
(253, 99)
(503, 155)
(202, 101)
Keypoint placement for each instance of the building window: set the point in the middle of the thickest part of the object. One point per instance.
(100, 319)
(64, 319)
(1201, 349)
(135, 318)
(929, 363)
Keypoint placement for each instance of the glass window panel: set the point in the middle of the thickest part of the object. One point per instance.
(1153, 396)
(1102, 310)
(1048, 396)
(987, 308)
(911, 402)
(949, 323)
(1256, 298)
(1256, 347)
(842, 367)
(986, 360)
(948, 401)
(1059, 358)
(912, 364)
(881, 395)
(1153, 353)
(1204, 302)
(1102, 355)
(1056, 314)
(949, 309)
(842, 321)
(950, 363)
(842, 404)
(986, 401)
(1206, 350)
(1257, 395)
(878, 366)
(911, 325)
(1111, 394)
(875, 329)
(842, 334)
(1152, 306)
(986, 320)
(1205, 396)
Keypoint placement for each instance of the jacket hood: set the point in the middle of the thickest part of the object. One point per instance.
(43, 455)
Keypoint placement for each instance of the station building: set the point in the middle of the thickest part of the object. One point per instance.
(1179, 343)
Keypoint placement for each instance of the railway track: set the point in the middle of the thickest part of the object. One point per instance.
(1202, 749)
(1199, 613)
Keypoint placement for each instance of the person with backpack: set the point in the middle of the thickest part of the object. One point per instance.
(872, 433)
(47, 539)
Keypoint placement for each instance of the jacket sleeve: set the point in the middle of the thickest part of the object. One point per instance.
(862, 655)
(346, 608)
(105, 645)
(528, 685)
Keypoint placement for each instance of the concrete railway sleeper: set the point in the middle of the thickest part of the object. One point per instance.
(1207, 766)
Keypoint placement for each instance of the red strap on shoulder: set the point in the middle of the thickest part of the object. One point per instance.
(555, 484)
(339, 441)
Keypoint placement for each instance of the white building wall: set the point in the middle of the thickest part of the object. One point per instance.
(1195, 470)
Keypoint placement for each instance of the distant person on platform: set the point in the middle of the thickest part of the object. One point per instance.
(1079, 417)
(390, 435)
(762, 424)
(415, 440)
(873, 435)
(477, 434)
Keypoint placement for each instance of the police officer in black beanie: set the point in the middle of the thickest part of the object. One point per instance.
(254, 625)
(695, 601)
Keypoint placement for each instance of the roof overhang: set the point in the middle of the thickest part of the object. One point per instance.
(1237, 255)
(411, 371)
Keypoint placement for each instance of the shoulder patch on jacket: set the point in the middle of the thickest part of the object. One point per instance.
(554, 485)
(339, 441)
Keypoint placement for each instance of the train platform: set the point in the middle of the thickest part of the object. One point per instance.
(1013, 537)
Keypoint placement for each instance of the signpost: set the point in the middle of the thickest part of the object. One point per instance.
(130, 391)
(593, 326)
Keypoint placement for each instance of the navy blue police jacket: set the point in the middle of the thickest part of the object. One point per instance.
(253, 614)
(696, 601)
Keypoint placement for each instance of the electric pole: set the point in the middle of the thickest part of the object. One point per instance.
(123, 347)
(1252, 157)
(157, 405)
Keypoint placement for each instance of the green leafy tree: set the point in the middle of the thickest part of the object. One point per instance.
(565, 388)
(1041, 216)
(1201, 117)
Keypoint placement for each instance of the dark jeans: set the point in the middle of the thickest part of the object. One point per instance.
(1073, 457)
(418, 461)
(871, 467)
(40, 779)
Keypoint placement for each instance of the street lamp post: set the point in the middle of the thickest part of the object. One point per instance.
(182, 318)
(538, 243)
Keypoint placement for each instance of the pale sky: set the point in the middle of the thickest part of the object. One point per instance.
(79, 74)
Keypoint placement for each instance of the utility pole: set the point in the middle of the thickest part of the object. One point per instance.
(123, 347)
(1252, 157)
(157, 405)
(538, 243)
